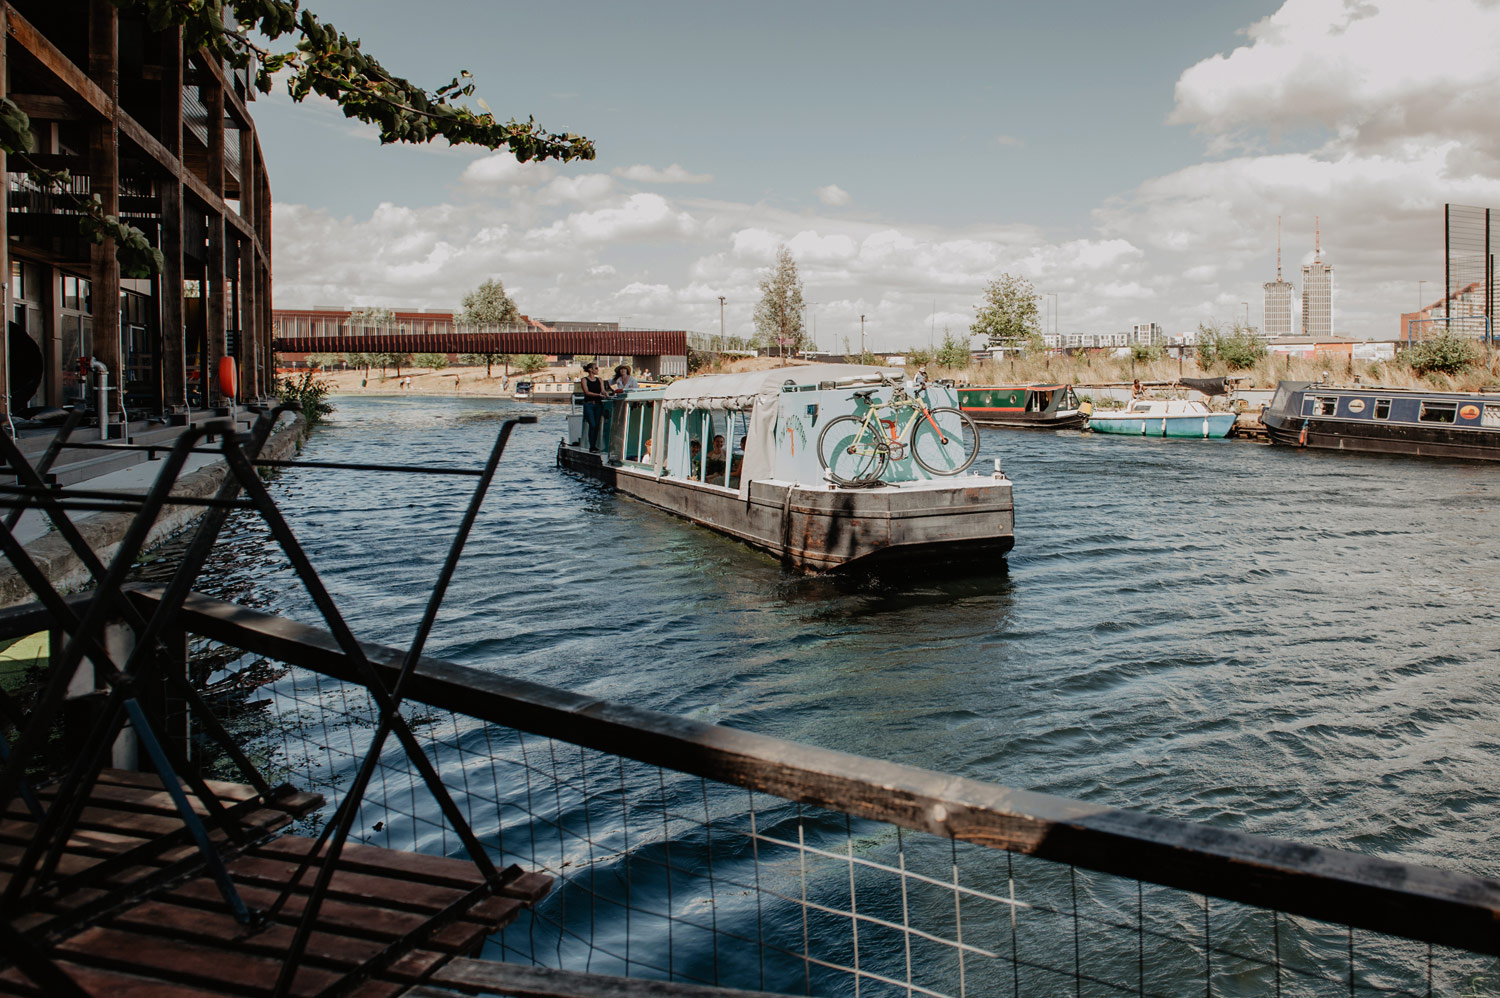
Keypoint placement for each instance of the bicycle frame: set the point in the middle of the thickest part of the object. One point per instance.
(901, 437)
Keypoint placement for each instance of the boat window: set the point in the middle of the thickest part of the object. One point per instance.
(1491, 416)
(1382, 408)
(739, 429)
(1438, 412)
(1325, 405)
(639, 420)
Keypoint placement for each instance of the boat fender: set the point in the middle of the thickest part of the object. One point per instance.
(1302, 437)
(229, 378)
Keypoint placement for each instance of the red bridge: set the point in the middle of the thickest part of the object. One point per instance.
(599, 343)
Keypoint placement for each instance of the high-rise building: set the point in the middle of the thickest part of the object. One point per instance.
(1278, 300)
(1147, 334)
(1317, 292)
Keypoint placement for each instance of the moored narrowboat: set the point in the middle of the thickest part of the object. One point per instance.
(1030, 407)
(1385, 420)
(738, 454)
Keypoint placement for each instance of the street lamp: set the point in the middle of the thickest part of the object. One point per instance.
(721, 322)
(862, 348)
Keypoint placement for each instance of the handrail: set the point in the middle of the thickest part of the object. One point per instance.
(1443, 907)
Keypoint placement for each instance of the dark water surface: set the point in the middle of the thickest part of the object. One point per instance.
(1296, 643)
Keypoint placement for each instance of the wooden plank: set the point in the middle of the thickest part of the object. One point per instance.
(189, 963)
(401, 894)
(77, 84)
(45, 107)
(387, 862)
(110, 983)
(223, 789)
(521, 981)
(414, 966)
(365, 921)
(174, 921)
(1438, 906)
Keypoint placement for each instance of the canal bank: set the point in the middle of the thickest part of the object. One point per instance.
(203, 474)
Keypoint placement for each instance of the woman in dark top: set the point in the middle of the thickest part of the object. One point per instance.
(595, 391)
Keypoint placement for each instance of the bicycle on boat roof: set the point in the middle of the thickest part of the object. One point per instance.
(854, 450)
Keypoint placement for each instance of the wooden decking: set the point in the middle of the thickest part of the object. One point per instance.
(159, 927)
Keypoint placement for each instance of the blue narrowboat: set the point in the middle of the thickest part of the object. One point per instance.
(1385, 420)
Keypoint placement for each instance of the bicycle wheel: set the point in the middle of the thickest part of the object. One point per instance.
(949, 452)
(851, 455)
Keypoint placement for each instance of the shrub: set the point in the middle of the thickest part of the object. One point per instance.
(1445, 354)
(1142, 352)
(310, 392)
(954, 352)
(435, 361)
(1237, 349)
(529, 363)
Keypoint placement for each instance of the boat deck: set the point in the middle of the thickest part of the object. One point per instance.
(150, 924)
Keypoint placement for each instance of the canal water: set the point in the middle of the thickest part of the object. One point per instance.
(1294, 643)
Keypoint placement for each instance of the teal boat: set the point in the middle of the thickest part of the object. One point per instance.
(1164, 418)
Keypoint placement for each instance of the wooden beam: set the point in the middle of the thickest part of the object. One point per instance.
(5, 303)
(45, 106)
(74, 80)
(468, 976)
(173, 323)
(104, 183)
(205, 61)
(1443, 907)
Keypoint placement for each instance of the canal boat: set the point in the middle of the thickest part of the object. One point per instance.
(1163, 418)
(522, 391)
(737, 453)
(551, 388)
(1031, 407)
(1385, 420)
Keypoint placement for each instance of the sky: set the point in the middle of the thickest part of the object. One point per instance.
(1131, 160)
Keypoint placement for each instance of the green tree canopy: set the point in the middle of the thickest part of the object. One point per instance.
(778, 316)
(488, 305)
(372, 315)
(1007, 317)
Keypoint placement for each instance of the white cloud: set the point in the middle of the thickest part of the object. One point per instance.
(833, 195)
(674, 174)
(502, 170)
(1009, 140)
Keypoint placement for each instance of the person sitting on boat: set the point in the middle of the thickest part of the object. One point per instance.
(695, 457)
(919, 382)
(1136, 391)
(595, 391)
(716, 458)
(623, 382)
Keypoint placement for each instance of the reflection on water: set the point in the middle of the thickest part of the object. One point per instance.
(1294, 643)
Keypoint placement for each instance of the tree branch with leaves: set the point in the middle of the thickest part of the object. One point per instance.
(321, 60)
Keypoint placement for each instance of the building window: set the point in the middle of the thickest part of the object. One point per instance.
(76, 324)
(1382, 408)
(1439, 412)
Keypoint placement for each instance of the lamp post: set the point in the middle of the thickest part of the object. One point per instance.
(862, 348)
(721, 322)
(1419, 313)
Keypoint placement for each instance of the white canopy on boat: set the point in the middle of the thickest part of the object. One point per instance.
(739, 391)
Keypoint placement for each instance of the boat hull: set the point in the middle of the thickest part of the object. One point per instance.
(1213, 425)
(1073, 420)
(819, 529)
(1328, 434)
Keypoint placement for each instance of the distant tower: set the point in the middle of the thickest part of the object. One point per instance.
(1317, 291)
(1278, 301)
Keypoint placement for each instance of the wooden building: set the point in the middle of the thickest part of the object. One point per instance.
(164, 138)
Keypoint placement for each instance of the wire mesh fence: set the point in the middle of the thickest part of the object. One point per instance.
(665, 875)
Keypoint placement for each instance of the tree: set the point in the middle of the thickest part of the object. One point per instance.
(433, 361)
(488, 305)
(1238, 348)
(487, 359)
(1007, 318)
(778, 317)
(529, 363)
(954, 352)
(321, 60)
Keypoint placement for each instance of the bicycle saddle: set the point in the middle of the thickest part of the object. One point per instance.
(865, 395)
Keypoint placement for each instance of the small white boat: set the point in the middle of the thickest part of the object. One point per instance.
(1163, 418)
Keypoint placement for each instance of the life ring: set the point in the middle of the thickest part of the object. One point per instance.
(229, 378)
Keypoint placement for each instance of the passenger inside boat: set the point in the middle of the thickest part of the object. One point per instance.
(714, 473)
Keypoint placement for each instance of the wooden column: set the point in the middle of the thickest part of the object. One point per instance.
(263, 227)
(104, 181)
(4, 231)
(249, 329)
(173, 327)
(216, 298)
